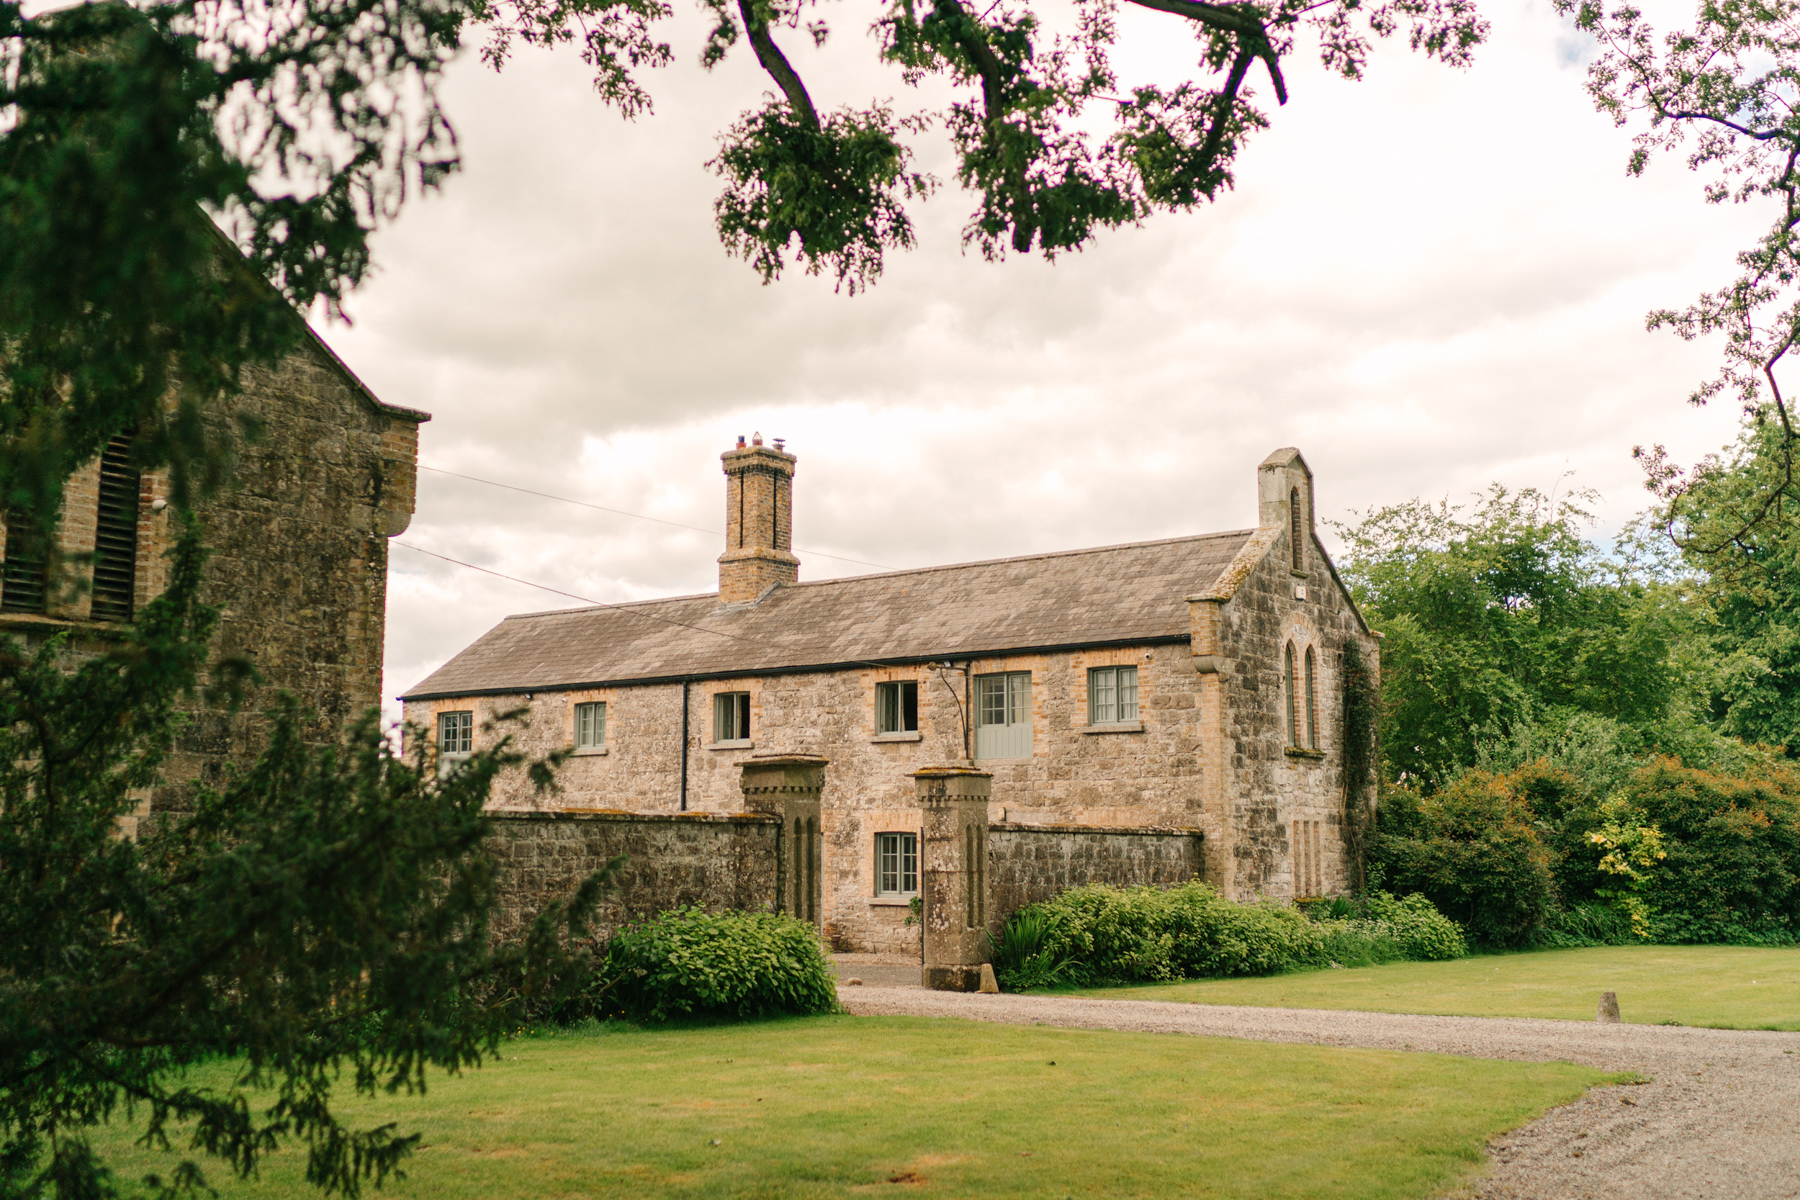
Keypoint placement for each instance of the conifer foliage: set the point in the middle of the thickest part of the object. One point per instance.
(320, 920)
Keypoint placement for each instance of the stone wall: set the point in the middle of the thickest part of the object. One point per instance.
(1277, 820)
(299, 552)
(1031, 863)
(1146, 776)
(719, 862)
(708, 861)
(298, 535)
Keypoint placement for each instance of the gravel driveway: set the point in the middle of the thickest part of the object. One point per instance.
(1720, 1119)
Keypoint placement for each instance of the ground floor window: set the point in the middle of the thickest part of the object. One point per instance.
(896, 864)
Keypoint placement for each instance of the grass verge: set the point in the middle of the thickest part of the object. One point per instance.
(837, 1106)
(1725, 987)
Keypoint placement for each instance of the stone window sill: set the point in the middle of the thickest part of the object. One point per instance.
(1302, 752)
(589, 751)
(87, 625)
(895, 901)
(1120, 727)
(738, 744)
(911, 735)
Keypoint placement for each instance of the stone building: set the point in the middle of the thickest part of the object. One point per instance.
(1184, 686)
(299, 552)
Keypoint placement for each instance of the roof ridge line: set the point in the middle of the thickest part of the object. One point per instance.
(844, 579)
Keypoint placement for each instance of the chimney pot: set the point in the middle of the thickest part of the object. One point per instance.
(757, 440)
(740, 445)
(779, 442)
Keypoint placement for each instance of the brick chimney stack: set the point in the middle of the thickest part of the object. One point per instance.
(759, 521)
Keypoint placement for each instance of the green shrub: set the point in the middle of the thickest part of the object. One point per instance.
(1022, 955)
(1585, 925)
(1381, 929)
(1472, 849)
(1423, 933)
(1102, 934)
(1732, 871)
(1108, 934)
(737, 965)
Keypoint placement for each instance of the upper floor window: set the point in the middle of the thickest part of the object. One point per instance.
(24, 578)
(455, 739)
(731, 717)
(1003, 715)
(1112, 695)
(116, 534)
(590, 726)
(897, 707)
(896, 864)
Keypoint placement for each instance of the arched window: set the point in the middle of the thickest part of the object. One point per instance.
(1312, 710)
(1296, 528)
(1293, 701)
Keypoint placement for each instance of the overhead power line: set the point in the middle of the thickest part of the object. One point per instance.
(544, 587)
(628, 609)
(619, 512)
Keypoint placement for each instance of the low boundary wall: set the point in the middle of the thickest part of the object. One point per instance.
(1031, 863)
(707, 860)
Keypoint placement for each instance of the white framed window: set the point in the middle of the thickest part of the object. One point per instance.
(1003, 715)
(1112, 695)
(897, 707)
(731, 717)
(896, 864)
(455, 740)
(590, 726)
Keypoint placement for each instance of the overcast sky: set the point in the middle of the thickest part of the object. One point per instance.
(1427, 281)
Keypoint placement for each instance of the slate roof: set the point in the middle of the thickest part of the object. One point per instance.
(1112, 594)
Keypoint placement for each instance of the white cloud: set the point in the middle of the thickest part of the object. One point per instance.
(1427, 281)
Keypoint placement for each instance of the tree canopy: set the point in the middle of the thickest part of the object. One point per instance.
(1501, 617)
(321, 920)
(299, 126)
(1719, 92)
(1737, 524)
(826, 189)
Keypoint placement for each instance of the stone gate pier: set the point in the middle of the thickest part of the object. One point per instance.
(953, 883)
(788, 786)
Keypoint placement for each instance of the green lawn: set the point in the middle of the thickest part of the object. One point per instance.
(839, 1106)
(1729, 987)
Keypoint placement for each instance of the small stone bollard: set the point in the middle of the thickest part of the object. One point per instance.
(988, 982)
(1609, 1009)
